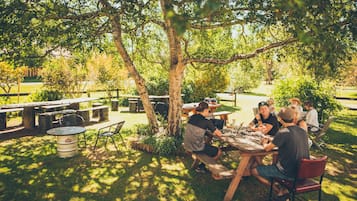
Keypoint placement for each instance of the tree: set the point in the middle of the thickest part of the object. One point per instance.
(63, 75)
(246, 76)
(10, 76)
(322, 30)
(105, 72)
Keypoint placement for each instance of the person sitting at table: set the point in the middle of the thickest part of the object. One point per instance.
(271, 106)
(195, 131)
(265, 121)
(297, 103)
(299, 121)
(292, 143)
(312, 119)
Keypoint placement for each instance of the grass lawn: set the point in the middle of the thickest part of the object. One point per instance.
(31, 170)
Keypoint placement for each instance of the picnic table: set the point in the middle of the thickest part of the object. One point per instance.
(249, 146)
(29, 108)
(188, 108)
(135, 104)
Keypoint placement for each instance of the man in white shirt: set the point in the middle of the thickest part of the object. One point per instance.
(312, 120)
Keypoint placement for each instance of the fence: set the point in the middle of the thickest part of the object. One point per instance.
(79, 92)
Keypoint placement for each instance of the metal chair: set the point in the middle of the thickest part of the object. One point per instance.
(303, 181)
(74, 120)
(162, 109)
(110, 131)
(317, 136)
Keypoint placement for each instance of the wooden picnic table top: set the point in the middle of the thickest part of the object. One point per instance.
(46, 103)
(189, 106)
(243, 139)
(249, 146)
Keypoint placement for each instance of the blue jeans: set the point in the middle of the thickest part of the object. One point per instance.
(271, 171)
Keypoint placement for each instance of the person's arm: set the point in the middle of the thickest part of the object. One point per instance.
(265, 128)
(218, 133)
(267, 144)
(303, 125)
(255, 121)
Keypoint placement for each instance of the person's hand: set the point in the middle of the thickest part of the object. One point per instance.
(265, 141)
(257, 117)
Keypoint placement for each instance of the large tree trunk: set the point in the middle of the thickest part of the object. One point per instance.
(177, 68)
(175, 106)
(139, 81)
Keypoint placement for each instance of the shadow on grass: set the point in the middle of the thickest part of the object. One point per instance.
(31, 170)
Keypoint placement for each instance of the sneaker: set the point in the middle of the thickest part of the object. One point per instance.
(201, 168)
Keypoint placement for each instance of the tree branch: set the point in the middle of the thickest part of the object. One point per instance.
(83, 16)
(216, 25)
(236, 57)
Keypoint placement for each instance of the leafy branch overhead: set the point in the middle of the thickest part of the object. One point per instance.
(174, 34)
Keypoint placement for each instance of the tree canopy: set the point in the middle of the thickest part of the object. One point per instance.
(322, 31)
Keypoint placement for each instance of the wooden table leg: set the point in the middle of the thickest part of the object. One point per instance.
(236, 179)
(28, 117)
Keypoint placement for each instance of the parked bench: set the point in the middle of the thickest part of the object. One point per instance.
(103, 113)
(218, 170)
(3, 115)
(223, 115)
(47, 119)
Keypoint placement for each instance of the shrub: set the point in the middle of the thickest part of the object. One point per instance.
(162, 145)
(46, 95)
(307, 89)
(143, 129)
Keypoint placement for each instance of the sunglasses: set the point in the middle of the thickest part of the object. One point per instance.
(263, 103)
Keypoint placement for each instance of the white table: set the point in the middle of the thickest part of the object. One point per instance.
(67, 145)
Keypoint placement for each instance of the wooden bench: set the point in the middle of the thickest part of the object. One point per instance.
(47, 119)
(3, 115)
(218, 170)
(103, 113)
(223, 115)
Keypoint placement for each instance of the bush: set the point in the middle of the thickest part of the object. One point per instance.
(143, 129)
(307, 89)
(46, 95)
(162, 145)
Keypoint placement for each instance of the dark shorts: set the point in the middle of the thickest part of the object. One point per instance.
(209, 150)
(271, 171)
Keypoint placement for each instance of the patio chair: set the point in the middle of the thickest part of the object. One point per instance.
(317, 136)
(304, 180)
(74, 120)
(109, 132)
(162, 109)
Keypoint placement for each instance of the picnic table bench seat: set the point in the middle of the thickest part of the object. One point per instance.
(3, 115)
(47, 119)
(219, 171)
(98, 111)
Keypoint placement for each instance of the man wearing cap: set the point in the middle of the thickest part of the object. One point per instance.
(292, 142)
(265, 121)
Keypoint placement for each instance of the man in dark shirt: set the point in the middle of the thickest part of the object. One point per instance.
(194, 138)
(265, 121)
(292, 142)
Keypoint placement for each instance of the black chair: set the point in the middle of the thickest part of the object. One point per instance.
(73, 120)
(304, 180)
(162, 109)
(110, 131)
